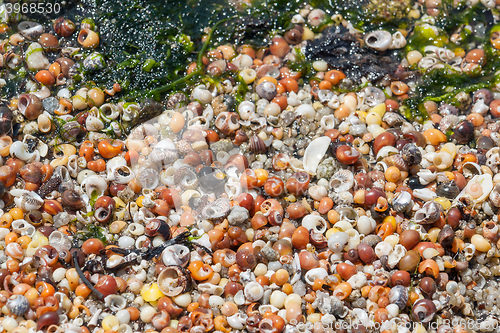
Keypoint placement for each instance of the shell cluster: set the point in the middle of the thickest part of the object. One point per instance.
(271, 196)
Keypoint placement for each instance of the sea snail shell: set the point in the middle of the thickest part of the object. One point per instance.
(379, 40)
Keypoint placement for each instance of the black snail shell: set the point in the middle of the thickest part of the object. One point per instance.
(5, 120)
(448, 190)
(211, 178)
(464, 132)
(411, 154)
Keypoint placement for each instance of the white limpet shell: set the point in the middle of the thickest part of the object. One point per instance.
(314, 153)
(486, 183)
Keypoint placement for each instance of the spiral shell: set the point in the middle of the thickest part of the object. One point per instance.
(371, 240)
(177, 254)
(429, 213)
(148, 178)
(164, 152)
(227, 122)
(478, 188)
(495, 195)
(399, 295)
(173, 281)
(396, 160)
(448, 189)
(402, 202)
(176, 100)
(342, 180)
(18, 305)
(186, 178)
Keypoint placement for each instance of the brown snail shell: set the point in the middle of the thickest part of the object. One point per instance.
(72, 200)
(64, 27)
(104, 208)
(30, 106)
(257, 145)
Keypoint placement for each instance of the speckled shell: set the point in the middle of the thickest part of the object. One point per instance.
(398, 295)
(184, 147)
(186, 178)
(164, 152)
(371, 240)
(397, 161)
(176, 100)
(218, 209)
(18, 305)
(411, 154)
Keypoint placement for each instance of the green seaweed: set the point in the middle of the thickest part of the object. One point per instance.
(92, 231)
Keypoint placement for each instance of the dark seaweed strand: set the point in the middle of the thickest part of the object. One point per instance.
(179, 239)
(96, 292)
(199, 67)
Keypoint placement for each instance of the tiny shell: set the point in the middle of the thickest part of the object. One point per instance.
(471, 169)
(386, 151)
(314, 222)
(424, 194)
(426, 176)
(314, 153)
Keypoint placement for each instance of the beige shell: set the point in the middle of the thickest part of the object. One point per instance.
(314, 153)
